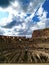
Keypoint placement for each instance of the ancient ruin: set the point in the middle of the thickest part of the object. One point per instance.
(25, 50)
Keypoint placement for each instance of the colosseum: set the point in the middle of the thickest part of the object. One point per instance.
(15, 49)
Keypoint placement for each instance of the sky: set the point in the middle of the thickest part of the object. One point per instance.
(22, 17)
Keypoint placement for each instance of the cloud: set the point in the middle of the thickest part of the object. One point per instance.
(41, 25)
(1, 31)
(10, 25)
(33, 5)
(47, 23)
(43, 20)
(24, 4)
(42, 14)
(5, 3)
(18, 22)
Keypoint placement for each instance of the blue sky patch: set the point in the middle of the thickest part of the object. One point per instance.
(3, 14)
(46, 7)
(35, 19)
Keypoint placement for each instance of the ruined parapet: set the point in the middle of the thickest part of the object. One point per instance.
(44, 33)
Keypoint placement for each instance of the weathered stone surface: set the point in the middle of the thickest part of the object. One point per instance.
(41, 33)
(25, 50)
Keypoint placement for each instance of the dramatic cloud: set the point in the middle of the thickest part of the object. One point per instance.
(5, 3)
(21, 17)
(43, 20)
